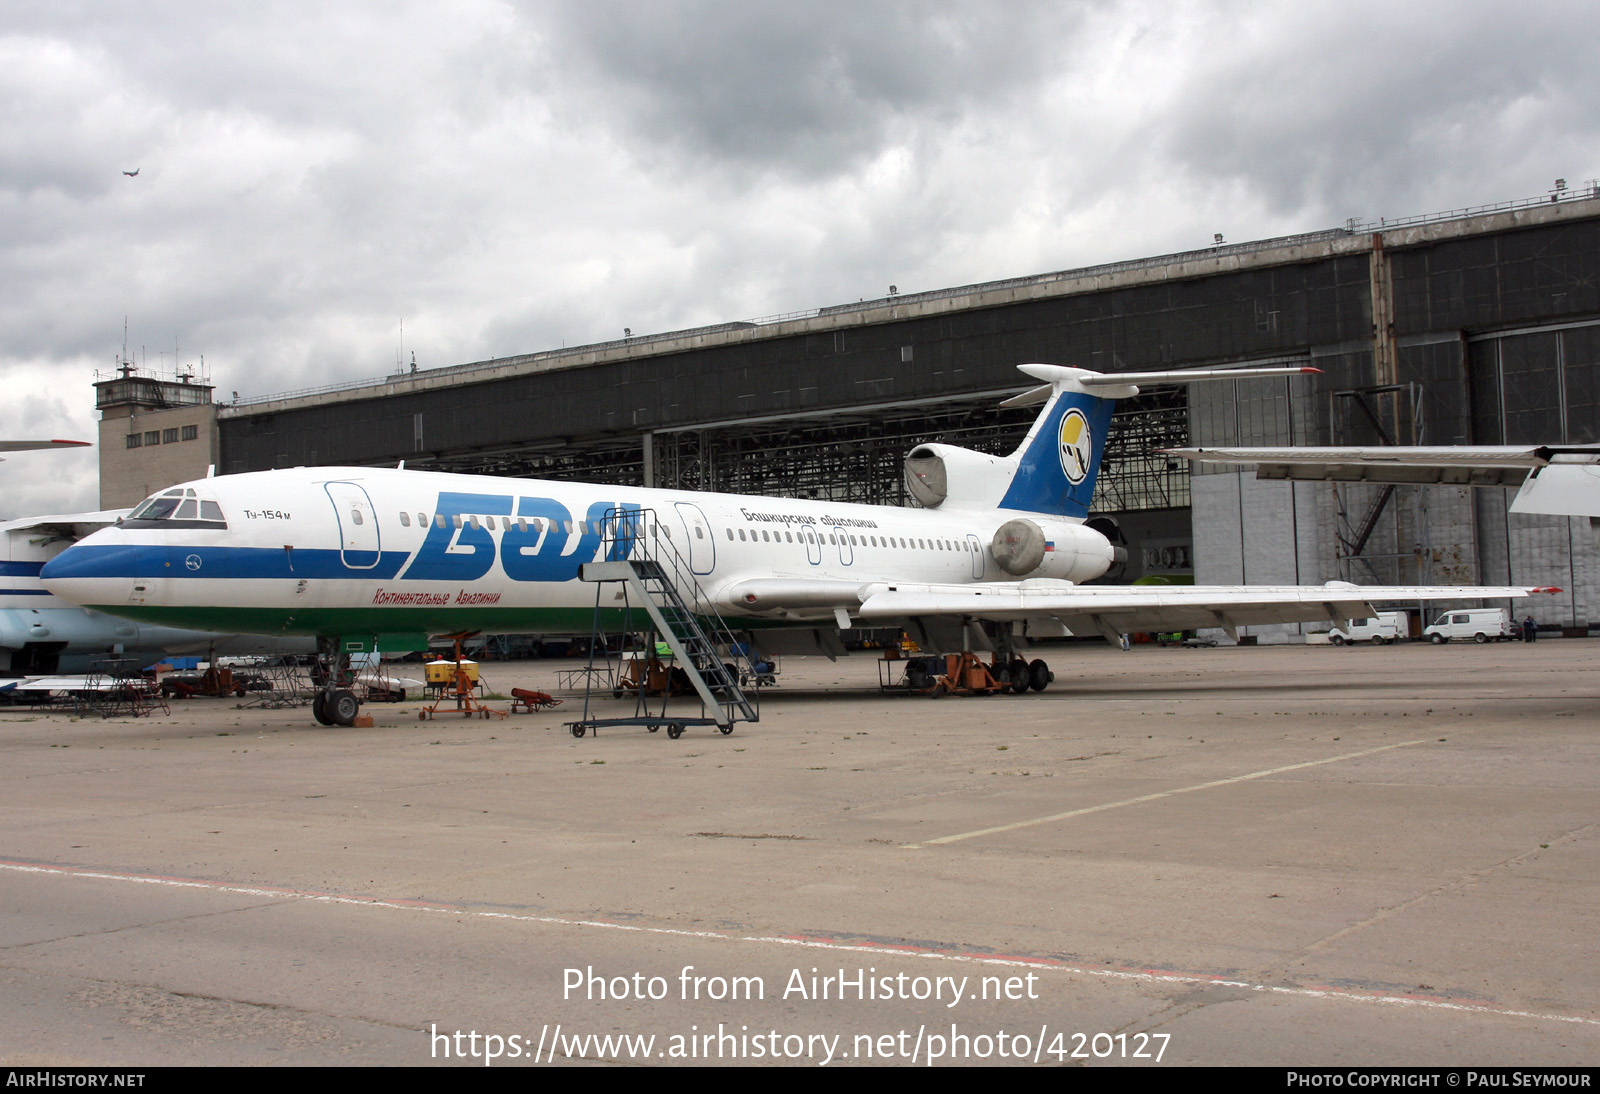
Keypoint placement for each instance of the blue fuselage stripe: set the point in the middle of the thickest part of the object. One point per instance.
(217, 563)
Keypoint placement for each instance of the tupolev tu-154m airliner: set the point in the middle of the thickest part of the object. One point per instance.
(998, 553)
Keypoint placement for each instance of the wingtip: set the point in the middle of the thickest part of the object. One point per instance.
(1547, 589)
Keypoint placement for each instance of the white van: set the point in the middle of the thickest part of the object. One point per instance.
(1379, 631)
(1478, 624)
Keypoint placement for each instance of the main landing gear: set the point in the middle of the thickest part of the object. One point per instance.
(965, 674)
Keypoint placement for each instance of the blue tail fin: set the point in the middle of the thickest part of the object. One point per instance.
(1058, 463)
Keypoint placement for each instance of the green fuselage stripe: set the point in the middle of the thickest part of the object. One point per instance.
(377, 621)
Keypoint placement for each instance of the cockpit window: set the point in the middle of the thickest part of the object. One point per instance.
(159, 507)
(179, 507)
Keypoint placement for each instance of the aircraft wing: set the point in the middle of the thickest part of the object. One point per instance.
(1110, 610)
(71, 526)
(1476, 465)
(1117, 609)
(1562, 480)
(33, 446)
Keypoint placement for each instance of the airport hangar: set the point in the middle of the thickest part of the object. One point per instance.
(1476, 326)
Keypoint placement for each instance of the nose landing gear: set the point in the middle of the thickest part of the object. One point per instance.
(335, 707)
(334, 704)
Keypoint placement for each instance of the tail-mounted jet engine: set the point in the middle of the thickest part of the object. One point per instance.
(1040, 547)
(942, 474)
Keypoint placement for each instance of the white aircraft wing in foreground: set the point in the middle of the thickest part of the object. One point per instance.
(1109, 610)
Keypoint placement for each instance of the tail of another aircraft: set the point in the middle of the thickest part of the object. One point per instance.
(1054, 470)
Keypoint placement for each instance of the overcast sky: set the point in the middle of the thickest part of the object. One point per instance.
(504, 178)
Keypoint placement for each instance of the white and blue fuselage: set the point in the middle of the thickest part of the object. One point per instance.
(366, 551)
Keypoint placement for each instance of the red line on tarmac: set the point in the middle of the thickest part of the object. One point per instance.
(1155, 976)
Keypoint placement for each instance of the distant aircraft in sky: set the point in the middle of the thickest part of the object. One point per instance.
(134, 173)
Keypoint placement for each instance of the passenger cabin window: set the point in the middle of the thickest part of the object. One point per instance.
(405, 520)
(355, 517)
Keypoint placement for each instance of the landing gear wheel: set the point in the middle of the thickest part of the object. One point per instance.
(674, 730)
(1039, 675)
(578, 732)
(1021, 679)
(319, 709)
(342, 708)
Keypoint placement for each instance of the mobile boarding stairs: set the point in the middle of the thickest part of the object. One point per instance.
(655, 577)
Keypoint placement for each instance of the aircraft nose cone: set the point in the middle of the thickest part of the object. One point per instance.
(81, 569)
(69, 563)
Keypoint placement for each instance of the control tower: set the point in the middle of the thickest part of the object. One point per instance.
(155, 430)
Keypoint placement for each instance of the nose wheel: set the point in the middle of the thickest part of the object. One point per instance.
(335, 708)
(334, 704)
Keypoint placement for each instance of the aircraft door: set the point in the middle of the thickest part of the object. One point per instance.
(847, 553)
(702, 548)
(813, 544)
(359, 545)
(975, 553)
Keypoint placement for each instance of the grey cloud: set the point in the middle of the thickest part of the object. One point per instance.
(806, 88)
(1384, 117)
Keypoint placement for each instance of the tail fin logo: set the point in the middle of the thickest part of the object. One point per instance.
(1077, 446)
